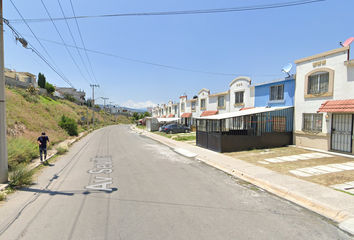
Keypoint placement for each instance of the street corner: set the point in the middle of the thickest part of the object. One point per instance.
(185, 153)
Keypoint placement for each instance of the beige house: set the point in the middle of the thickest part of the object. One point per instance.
(24, 77)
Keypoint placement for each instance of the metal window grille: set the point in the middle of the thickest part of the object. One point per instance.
(277, 92)
(318, 83)
(312, 122)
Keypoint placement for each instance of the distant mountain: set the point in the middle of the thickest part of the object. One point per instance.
(131, 109)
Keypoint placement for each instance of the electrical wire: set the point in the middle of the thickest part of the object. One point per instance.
(74, 41)
(83, 44)
(156, 64)
(64, 43)
(59, 72)
(187, 12)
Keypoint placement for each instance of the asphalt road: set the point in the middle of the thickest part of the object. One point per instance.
(117, 184)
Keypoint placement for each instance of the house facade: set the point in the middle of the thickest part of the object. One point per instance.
(324, 101)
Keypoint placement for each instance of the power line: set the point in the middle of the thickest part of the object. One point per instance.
(83, 44)
(74, 40)
(187, 12)
(59, 72)
(156, 64)
(64, 42)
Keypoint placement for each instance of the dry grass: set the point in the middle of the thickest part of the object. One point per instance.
(255, 156)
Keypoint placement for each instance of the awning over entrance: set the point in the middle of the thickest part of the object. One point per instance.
(243, 113)
(163, 116)
(208, 113)
(337, 106)
(171, 115)
(186, 115)
(167, 119)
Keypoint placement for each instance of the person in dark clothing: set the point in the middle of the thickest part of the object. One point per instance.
(42, 141)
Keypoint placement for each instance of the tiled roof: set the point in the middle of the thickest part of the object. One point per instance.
(246, 108)
(171, 115)
(334, 106)
(186, 115)
(163, 116)
(208, 113)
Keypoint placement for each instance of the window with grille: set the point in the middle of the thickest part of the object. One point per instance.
(278, 124)
(239, 97)
(318, 83)
(312, 122)
(277, 92)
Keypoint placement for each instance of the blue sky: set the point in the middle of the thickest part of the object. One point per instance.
(126, 52)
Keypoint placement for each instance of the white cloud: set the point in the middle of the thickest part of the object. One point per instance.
(132, 104)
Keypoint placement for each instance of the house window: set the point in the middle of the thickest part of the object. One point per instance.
(202, 104)
(193, 106)
(279, 124)
(318, 83)
(312, 122)
(239, 97)
(221, 102)
(277, 92)
(176, 109)
(182, 107)
(169, 110)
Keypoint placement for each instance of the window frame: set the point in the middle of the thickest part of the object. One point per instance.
(201, 105)
(275, 96)
(224, 102)
(237, 98)
(312, 120)
(193, 106)
(330, 83)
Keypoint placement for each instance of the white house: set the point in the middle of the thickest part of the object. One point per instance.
(241, 94)
(324, 101)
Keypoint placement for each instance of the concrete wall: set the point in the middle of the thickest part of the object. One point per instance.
(241, 84)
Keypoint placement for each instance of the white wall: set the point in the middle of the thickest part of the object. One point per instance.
(333, 60)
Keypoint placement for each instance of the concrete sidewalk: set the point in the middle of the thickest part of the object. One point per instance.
(328, 202)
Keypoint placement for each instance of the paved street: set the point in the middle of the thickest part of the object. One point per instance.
(117, 184)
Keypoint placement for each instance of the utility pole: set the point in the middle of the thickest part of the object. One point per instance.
(3, 140)
(104, 107)
(110, 113)
(93, 104)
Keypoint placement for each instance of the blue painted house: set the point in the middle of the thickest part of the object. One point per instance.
(275, 93)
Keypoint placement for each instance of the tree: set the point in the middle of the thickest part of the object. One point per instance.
(136, 116)
(50, 88)
(41, 80)
(146, 114)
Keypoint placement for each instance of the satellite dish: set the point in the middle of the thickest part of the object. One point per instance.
(347, 42)
(287, 68)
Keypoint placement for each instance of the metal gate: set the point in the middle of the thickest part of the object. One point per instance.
(342, 129)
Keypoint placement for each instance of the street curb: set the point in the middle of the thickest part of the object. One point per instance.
(344, 219)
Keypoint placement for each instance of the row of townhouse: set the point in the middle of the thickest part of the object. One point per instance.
(313, 108)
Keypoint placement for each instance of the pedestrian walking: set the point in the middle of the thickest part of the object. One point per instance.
(42, 141)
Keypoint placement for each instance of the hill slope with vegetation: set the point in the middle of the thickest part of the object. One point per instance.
(28, 114)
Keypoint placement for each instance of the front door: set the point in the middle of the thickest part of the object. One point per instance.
(342, 130)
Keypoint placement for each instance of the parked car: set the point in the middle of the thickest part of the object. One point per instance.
(176, 128)
(162, 128)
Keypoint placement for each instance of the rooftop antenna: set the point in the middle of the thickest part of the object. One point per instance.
(347, 42)
(287, 68)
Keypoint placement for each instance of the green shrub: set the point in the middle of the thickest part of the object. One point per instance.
(20, 150)
(21, 175)
(69, 125)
